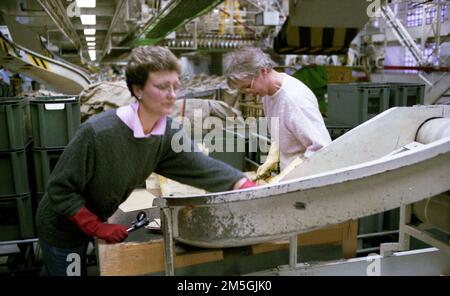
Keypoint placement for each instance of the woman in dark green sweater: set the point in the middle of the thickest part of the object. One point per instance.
(114, 152)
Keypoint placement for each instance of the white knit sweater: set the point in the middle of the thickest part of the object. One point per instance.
(302, 129)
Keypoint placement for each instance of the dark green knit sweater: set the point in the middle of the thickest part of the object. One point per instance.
(104, 163)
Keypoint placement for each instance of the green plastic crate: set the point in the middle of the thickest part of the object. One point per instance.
(36, 199)
(54, 120)
(406, 94)
(16, 218)
(14, 174)
(371, 224)
(354, 103)
(13, 123)
(392, 219)
(44, 162)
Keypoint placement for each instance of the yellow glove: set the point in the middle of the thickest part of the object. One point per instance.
(286, 172)
(271, 162)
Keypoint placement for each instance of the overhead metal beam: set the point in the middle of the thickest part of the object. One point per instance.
(103, 26)
(106, 44)
(99, 11)
(57, 12)
(26, 14)
(171, 17)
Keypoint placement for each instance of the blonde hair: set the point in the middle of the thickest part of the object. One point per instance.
(147, 59)
(245, 63)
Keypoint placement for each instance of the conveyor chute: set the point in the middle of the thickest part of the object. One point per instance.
(373, 168)
(56, 75)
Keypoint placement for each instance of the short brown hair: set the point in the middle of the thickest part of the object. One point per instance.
(147, 59)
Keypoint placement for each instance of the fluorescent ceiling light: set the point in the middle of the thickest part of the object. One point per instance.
(88, 19)
(90, 39)
(86, 3)
(89, 31)
(91, 43)
(92, 55)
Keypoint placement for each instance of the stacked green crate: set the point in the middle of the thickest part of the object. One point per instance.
(44, 162)
(406, 94)
(13, 133)
(54, 120)
(354, 103)
(14, 173)
(54, 123)
(16, 219)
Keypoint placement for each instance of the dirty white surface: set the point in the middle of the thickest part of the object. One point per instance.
(362, 178)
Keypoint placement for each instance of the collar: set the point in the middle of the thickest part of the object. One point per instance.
(129, 116)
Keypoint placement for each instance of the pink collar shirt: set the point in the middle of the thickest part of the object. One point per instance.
(129, 116)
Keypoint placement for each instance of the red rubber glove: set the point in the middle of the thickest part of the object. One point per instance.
(91, 225)
(248, 184)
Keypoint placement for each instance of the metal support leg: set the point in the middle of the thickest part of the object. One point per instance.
(405, 219)
(293, 251)
(388, 249)
(166, 217)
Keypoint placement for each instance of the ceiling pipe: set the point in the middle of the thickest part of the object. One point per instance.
(427, 69)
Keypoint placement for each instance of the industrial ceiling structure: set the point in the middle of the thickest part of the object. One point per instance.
(83, 31)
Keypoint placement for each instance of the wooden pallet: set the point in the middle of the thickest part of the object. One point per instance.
(145, 258)
(343, 234)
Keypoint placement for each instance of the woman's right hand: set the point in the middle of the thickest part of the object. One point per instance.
(91, 225)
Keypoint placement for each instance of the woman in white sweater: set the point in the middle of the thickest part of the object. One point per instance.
(301, 128)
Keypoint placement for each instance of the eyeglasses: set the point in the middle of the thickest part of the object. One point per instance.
(244, 89)
(167, 88)
(251, 84)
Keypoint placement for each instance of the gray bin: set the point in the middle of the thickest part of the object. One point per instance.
(354, 103)
(406, 94)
